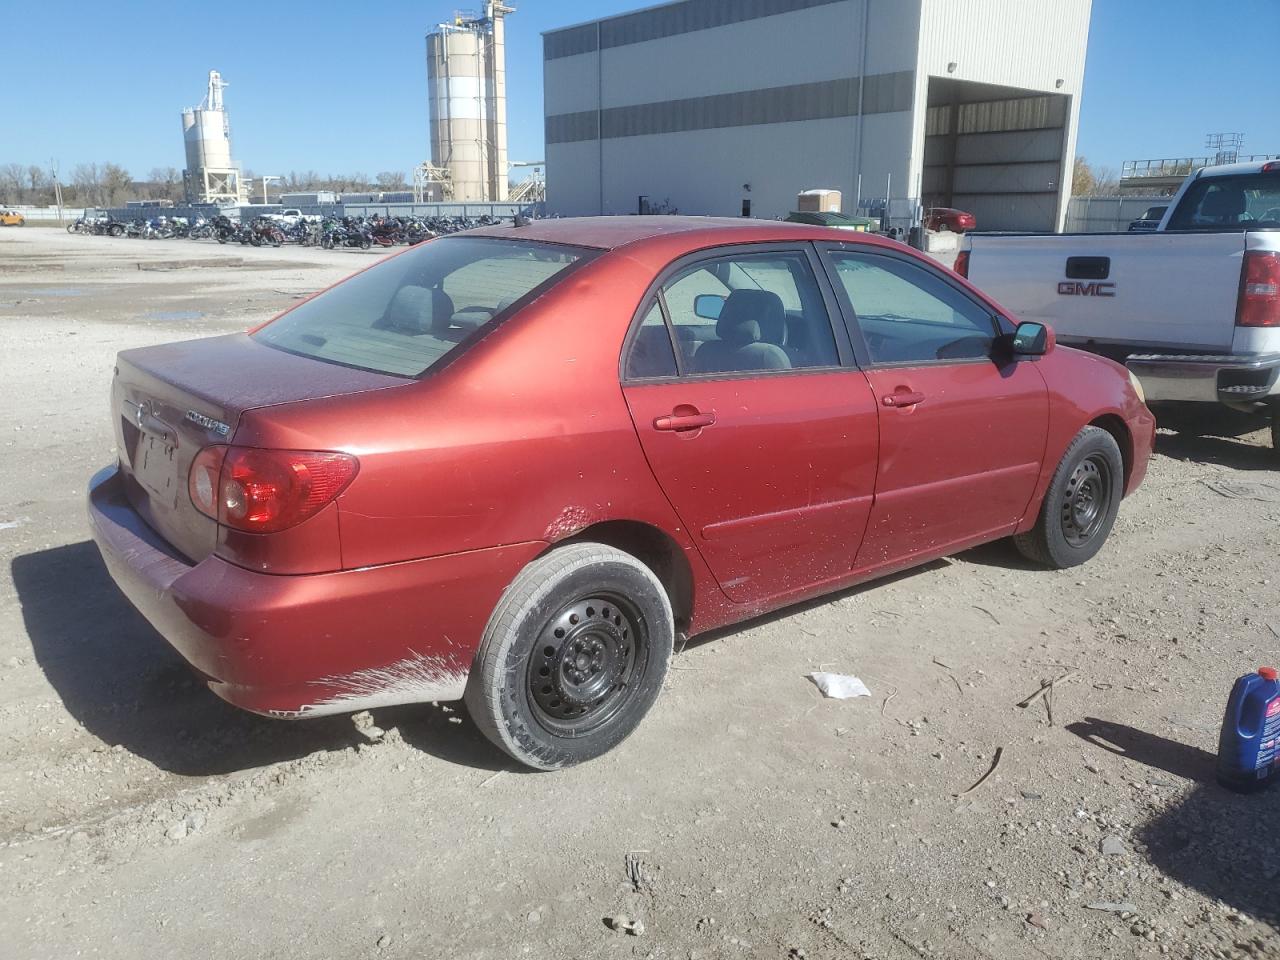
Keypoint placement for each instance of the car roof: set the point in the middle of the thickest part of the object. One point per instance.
(1232, 169)
(610, 233)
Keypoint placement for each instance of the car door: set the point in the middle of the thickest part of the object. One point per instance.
(962, 422)
(753, 418)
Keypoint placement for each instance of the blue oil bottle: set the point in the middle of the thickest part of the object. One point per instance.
(1249, 745)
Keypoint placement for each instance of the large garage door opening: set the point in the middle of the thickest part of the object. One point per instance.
(996, 152)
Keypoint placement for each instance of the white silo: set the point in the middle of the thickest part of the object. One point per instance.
(467, 103)
(212, 176)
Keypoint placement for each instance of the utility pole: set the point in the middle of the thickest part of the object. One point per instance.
(57, 188)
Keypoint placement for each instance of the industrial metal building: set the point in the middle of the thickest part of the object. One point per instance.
(732, 107)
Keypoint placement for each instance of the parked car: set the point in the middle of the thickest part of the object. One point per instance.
(1193, 308)
(12, 218)
(1149, 221)
(833, 218)
(512, 465)
(948, 218)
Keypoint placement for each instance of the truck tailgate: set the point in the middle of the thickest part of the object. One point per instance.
(1171, 290)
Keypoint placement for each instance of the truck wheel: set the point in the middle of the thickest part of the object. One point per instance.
(573, 657)
(1080, 505)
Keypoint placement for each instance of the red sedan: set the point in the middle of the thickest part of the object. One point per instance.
(512, 465)
(948, 218)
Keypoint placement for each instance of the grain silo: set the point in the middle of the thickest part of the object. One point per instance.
(467, 91)
(212, 176)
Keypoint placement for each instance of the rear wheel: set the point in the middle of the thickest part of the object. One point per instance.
(573, 657)
(1275, 429)
(1080, 505)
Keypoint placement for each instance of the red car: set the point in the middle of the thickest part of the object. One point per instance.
(948, 218)
(511, 465)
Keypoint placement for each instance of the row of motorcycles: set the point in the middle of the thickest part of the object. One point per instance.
(328, 232)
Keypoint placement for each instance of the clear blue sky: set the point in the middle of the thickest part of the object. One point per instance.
(341, 87)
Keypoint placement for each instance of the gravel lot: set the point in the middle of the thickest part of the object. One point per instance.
(140, 816)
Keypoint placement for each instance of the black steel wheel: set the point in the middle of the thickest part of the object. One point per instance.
(580, 672)
(1086, 500)
(573, 657)
(1080, 506)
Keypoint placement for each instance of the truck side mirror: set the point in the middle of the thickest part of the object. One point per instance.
(1032, 339)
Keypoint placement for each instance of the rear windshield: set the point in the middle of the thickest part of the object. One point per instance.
(1242, 202)
(403, 316)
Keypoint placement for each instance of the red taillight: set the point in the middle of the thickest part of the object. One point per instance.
(962, 263)
(264, 491)
(1259, 290)
(1271, 166)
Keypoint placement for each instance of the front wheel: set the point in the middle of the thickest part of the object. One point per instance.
(1080, 505)
(573, 657)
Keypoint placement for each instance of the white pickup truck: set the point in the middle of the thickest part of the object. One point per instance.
(1192, 308)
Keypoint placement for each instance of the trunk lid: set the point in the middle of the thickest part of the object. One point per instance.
(170, 401)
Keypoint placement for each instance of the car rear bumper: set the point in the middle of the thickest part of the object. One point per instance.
(293, 646)
(1207, 378)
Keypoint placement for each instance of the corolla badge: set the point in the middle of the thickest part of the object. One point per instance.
(217, 426)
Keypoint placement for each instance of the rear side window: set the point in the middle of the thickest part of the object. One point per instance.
(755, 312)
(909, 315)
(1229, 203)
(406, 314)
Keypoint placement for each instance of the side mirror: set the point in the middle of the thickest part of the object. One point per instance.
(708, 306)
(1032, 340)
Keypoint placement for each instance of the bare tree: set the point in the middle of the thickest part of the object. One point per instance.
(37, 182)
(1107, 182)
(166, 182)
(13, 178)
(1090, 181)
(88, 183)
(116, 183)
(391, 180)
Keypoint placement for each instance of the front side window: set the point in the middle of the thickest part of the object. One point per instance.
(738, 314)
(909, 315)
(404, 315)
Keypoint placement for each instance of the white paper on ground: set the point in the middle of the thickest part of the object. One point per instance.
(839, 686)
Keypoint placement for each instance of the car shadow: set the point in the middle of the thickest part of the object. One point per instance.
(125, 685)
(804, 606)
(1212, 840)
(1231, 452)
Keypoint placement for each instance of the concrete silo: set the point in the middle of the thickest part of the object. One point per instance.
(212, 176)
(467, 91)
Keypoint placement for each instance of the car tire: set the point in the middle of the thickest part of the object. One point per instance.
(573, 657)
(1275, 429)
(1080, 506)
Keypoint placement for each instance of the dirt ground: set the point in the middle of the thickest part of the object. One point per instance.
(140, 816)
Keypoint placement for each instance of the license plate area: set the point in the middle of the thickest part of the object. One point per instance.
(155, 468)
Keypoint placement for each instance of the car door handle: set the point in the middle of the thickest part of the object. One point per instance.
(684, 421)
(903, 398)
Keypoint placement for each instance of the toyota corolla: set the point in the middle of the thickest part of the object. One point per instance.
(511, 466)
